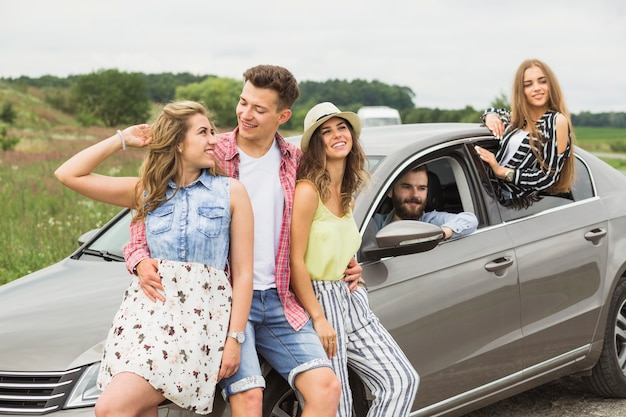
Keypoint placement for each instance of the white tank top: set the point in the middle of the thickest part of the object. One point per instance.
(514, 143)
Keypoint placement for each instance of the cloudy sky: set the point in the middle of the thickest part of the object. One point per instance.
(451, 53)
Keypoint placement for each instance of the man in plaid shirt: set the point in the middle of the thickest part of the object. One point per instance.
(278, 327)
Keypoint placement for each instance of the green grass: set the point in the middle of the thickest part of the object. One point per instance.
(601, 139)
(619, 164)
(41, 219)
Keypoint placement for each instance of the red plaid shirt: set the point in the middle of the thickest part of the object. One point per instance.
(228, 157)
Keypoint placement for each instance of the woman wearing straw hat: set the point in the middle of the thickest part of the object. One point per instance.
(324, 237)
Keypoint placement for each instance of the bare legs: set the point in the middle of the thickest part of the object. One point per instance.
(128, 395)
(321, 391)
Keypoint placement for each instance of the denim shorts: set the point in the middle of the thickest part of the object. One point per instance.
(288, 351)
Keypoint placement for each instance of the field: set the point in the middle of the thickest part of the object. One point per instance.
(41, 220)
(601, 139)
(604, 141)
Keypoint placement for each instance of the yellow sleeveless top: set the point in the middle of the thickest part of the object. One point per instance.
(333, 241)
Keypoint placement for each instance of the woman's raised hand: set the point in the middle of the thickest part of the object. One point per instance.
(137, 136)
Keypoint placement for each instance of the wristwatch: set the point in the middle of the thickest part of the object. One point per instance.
(240, 337)
(510, 175)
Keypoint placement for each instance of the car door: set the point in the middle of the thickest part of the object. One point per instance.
(454, 310)
(561, 251)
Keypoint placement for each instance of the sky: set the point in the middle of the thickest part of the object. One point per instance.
(450, 53)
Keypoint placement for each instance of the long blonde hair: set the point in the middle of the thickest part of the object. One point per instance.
(520, 117)
(162, 161)
(312, 167)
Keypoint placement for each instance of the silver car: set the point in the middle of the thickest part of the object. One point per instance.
(534, 294)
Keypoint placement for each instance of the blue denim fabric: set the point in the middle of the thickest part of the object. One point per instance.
(194, 225)
(288, 351)
(249, 374)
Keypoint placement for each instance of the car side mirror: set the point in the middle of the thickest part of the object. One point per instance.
(403, 237)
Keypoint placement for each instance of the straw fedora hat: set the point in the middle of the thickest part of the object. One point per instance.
(322, 112)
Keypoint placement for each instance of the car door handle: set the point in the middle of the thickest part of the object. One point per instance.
(499, 264)
(595, 235)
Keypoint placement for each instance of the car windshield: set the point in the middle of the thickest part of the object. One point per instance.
(373, 161)
(114, 238)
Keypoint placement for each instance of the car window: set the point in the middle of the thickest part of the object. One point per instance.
(582, 189)
(449, 188)
(447, 182)
(114, 236)
(373, 161)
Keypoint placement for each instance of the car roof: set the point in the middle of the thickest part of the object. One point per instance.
(387, 140)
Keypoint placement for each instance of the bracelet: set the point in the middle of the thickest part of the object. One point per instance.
(362, 283)
(119, 132)
(510, 175)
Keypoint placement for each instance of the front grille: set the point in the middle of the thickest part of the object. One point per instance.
(33, 393)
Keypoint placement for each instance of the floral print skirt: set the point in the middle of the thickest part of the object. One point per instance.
(176, 345)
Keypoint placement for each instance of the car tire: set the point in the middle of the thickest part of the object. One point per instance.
(280, 400)
(608, 378)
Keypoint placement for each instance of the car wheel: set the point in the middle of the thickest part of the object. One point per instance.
(279, 399)
(608, 377)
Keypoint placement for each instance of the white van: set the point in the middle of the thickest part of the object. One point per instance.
(379, 116)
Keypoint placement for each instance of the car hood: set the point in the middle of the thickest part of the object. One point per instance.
(57, 318)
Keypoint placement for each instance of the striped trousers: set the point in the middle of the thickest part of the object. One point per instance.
(364, 345)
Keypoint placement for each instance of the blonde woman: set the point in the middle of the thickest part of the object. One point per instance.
(176, 349)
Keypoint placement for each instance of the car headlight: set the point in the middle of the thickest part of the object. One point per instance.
(86, 391)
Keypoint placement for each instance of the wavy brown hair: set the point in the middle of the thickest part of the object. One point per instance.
(520, 115)
(313, 168)
(162, 161)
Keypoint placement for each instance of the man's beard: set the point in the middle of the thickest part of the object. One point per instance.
(402, 212)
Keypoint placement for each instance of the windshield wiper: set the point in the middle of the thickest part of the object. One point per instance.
(107, 256)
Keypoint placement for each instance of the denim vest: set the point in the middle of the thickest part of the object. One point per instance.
(194, 224)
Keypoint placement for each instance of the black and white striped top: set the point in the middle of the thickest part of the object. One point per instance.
(530, 178)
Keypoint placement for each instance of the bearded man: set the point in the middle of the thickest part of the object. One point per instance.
(409, 196)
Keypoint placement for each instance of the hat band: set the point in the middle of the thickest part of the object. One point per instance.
(321, 117)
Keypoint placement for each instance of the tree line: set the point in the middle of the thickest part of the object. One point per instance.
(111, 98)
